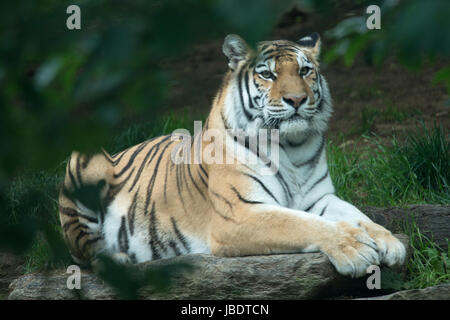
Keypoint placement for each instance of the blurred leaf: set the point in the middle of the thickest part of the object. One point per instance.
(347, 27)
(47, 72)
(127, 279)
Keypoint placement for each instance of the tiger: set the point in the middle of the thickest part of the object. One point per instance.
(140, 204)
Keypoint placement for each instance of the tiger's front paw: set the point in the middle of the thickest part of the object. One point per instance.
(351, 250)
(391, 251)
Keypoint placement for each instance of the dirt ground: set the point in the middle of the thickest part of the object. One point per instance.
(366, 99)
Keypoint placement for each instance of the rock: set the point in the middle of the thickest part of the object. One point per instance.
(53, 286)
(432, 220)
(287, 276)
(10, 268)
(438, 292)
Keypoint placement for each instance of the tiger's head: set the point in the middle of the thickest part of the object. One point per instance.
(277, 86)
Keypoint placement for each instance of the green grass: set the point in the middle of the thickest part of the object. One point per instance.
(429, 264)
(412, 172)
(416, 171)
(390, 114)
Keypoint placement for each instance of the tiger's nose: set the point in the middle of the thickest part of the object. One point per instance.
(295, 101)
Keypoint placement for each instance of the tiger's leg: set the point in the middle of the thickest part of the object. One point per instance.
(250, 228)
(330, 207)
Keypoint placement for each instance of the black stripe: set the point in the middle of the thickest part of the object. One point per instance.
(80, 225)
(151, 184)
(67, 225)
(122, 237)
(243, 199)
(221, 215)
(250, 102)
(203, 180)
(78, 172)
(222, 198)
(284, 184)
(194, 183)
(323, 210)
(317, 182)
(155, 241)
(183, 176)
(133, 258)
(132, 213)
(154, 148)
(268, 52)
(203, 170)
(174, 247)
(141, 167)
(89, 241)
(225, 123)
(315, 157)
(244, 109)
(263, 186)
(178, 180)
(165, 181)
(179, 235)
(315, 202)
(73, 213)
(81, 235)
(131, 160)
(115, 189)
(117, 161)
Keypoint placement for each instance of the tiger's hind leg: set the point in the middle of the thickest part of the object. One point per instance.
(82, 204)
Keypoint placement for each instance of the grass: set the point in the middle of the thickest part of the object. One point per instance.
(412, 172)
(416, 171)
(429, 264)
(369, 116)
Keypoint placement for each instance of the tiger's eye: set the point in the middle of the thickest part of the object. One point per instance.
(304, 71)
(267, 74)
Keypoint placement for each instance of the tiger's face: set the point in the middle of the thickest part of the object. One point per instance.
(279, 86)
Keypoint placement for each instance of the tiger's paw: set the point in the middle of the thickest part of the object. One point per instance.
(391, 251)
(351, 250)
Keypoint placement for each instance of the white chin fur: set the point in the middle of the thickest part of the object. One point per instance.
(294, 129)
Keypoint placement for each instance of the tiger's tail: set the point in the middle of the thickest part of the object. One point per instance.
(82, 203)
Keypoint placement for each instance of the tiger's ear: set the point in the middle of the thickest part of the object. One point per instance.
(312, 42)
(235, 49)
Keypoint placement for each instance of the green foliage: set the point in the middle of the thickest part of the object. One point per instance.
(33, 220)
(415, 171)
(428, 156)
(429, 264)
(415, 31)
